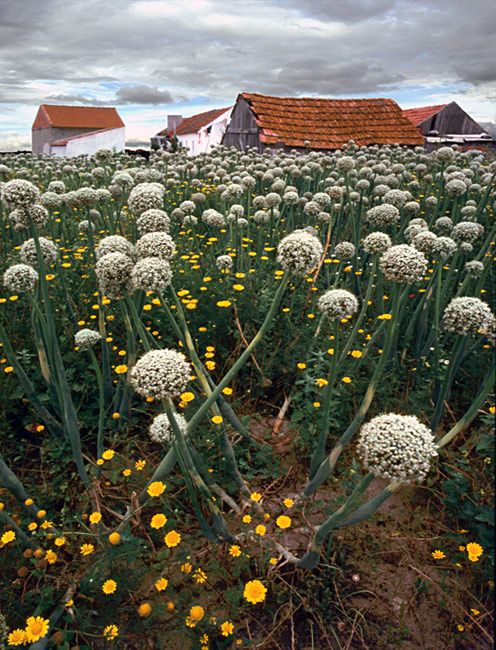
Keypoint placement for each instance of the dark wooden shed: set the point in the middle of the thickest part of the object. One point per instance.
(325, 124)
(448, 123)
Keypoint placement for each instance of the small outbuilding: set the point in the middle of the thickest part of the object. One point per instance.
(198, 133)
(312, 123)
(445, 124)
(76, 130)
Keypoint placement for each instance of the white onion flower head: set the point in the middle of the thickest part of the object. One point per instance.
(161, 431)
(151, 274)
(468, 231)
(444, 225)
(20, 193)
(382, 215)
(468, 315)
(114, 244)
(19, 278)
(155, 244)
(403, 264)
(86, 339)
(444, 247)
(376, 242)
(345, 164)
(397, 447)
(456, 187)
(299, 253)
(445, 154)
(474, 268)
(397, 198)
(49, 252)
(337, 304)
(224, 262)
(152, 221)
(160, 374)
(425, 241)
(146, 196)
(344, 251)
(113, 272)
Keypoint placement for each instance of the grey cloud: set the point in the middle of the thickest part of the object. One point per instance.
(318, 76)
(75, 99)
(477, 73)
(141, 94)
(349, 12)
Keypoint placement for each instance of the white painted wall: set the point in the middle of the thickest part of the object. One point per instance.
(202, 142)
(89, 144)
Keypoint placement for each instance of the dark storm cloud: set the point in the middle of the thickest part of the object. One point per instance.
(141, 94)
(160, 52)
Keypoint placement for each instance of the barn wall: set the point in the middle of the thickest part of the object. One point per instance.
(41, 137)
(451, 119)
(113, 138)
(242, 131)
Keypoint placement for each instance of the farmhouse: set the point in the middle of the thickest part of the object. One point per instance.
(448, 124)
(76, 130)
(198, 133)
(325, 124)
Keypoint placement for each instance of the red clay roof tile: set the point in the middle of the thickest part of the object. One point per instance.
(330, 123)
(418, 115)
(78, 117)
(196, 122)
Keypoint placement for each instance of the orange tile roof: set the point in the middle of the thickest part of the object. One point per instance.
(196, 122)
(330, 123)
(77, 117)
(418, 115)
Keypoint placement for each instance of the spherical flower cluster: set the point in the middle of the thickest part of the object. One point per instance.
(344, 251)
(19, 278)
(376, 242)
(444, 225)
(397, 447)
(20, 193)
(468, 231)
(398, 198)
(444, 247)
(188, 207)
(338, 304)
(84, 227)
(474, 268)
(151, 274)
(467, 315)
(272, 200)
(445, 154)
(312, 208)
(403, 264)
(224, 262)
(345, 164)
(382, 215)
(114, 244)
(49, 252)
(160, 374)
(213, 218)
(299, 252)
(456, 187)
(87, 196)
(21, 220)
(155, 244)
(161, 431)
(425, 241)
(146, 196)
(290, 197)
(261, 216)
(86, 339)
(113, 272)
(51, 200)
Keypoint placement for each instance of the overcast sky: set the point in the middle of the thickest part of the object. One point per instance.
(150, 58)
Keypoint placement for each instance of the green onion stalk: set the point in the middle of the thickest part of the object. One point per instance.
(311, 558)
(69, 416)
(327, 465)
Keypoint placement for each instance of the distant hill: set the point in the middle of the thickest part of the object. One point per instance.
(490, 127)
